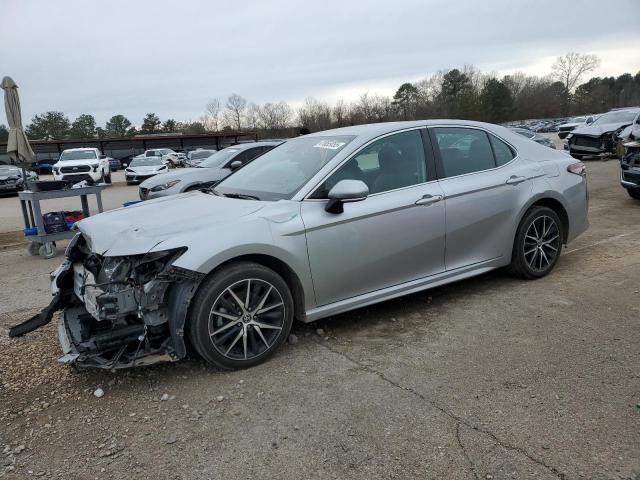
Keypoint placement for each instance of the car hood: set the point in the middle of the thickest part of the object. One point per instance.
(188, 175)
(597, 130)
(146, 168)
(570, 125)
(7, 177)
(77, 163)
(143, 227)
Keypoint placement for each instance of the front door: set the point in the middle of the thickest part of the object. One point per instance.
(395, 235)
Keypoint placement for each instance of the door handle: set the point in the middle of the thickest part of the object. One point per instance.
(428, 199)
(515, 180)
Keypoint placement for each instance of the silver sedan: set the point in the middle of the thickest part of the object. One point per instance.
(320, 225)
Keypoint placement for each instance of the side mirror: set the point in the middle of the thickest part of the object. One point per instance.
(589, 121)
(346, 191)
(102, 156)
(236, 164)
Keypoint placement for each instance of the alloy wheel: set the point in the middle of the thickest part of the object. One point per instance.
(246, 319)
(541, 243)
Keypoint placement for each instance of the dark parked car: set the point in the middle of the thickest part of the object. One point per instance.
(602, 136)
(630, 165)
(126, 161)
(114, 164)
(43, 166)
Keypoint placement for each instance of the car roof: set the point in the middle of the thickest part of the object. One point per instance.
(373, 130)
(78, 149)
(244, 146)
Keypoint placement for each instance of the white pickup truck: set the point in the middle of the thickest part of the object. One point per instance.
(78, 164)
(168, 156)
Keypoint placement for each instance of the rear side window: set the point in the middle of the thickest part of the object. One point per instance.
(463, 150)
(503, 152)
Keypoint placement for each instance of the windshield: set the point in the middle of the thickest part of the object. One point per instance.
(281, 172)
(146, 162)
(578, 120)
(621, 116)
(199, 155)
(219, 158)
(78, 155)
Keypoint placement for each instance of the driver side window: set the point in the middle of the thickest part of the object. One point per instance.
(393, 162)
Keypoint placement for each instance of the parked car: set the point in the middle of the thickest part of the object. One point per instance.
(322, 224)
(78, 164)
(142, 168)
(209, 172)
(576, 122)
(195, 157)
(534, 136)
(114, 164)
(603, 135)
(11, 178)
(630, 164)
(168, 156)
(43, 166)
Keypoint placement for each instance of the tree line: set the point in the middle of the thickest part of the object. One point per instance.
(464, 93)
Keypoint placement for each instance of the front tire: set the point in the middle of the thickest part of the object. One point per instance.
(108, 177)
(240, 316)
(537, 245)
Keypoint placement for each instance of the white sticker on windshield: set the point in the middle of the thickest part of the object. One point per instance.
(330, 144)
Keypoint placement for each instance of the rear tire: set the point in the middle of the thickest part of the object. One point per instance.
(537, 245)
(256, 314)
(633, 193)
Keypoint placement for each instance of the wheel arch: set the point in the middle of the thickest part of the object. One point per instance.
(557, 207)
(279, 266)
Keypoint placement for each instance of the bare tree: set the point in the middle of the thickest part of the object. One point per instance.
(274, 116)
(253, 116)
(340, 113)
(573, 66)
(315, 115)
(212, 114)
(236, 106)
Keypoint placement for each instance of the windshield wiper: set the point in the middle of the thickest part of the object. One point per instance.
(241, 196)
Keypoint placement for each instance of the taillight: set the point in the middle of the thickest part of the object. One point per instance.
(577, 168)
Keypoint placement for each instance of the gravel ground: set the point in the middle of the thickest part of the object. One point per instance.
(490, 378)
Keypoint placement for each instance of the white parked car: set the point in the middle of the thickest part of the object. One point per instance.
(142, 168)
(168, 156)
(78, 164)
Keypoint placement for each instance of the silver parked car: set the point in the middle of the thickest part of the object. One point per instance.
(142, 168)
(542, 140)
(322, 224)
(209, 172)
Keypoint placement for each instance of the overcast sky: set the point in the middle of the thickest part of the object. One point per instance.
(171, 57)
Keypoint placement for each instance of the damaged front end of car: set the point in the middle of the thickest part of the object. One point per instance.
(118, 311)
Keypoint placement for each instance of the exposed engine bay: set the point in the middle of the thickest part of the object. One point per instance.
(118, 312)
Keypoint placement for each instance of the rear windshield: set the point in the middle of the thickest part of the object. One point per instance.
(78, 155)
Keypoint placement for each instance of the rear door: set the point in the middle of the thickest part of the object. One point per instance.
(485, 185)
